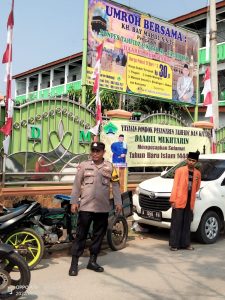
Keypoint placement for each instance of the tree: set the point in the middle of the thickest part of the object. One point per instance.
(110, 100)
(147, 106)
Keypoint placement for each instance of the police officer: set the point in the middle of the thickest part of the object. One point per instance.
(92, 185)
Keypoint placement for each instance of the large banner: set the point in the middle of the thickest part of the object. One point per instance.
(136, 145)
(142, 55)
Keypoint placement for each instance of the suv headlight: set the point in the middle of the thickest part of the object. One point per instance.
(135, 199)
(137, 191)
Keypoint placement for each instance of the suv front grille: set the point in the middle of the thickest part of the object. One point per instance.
(160, 203)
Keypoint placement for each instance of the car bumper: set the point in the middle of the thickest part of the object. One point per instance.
(163, 223)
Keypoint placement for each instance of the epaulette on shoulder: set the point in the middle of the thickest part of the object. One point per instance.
(108, 162)
(83, 163)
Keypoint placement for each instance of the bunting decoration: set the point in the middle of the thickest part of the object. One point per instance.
(6, 129)
(207, 94)
(96, 77)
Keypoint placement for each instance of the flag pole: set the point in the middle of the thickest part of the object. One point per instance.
(6, 129)
(84, 57)
(207, 44)
(96, 90)
(213, 63)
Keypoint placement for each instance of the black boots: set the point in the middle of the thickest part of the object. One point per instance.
(73, 271)
(92, 265)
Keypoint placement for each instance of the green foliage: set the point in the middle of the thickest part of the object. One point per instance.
(147, 106)
(74, 94)
(110, 100)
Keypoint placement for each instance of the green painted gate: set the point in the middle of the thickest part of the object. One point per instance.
(220, 140)
(49, 136)
(163, 118)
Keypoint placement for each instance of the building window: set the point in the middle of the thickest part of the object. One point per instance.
(48, 84)
(62, 80)
(35, 88)
(74, 77)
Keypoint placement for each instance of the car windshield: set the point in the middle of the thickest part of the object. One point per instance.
(211, 169)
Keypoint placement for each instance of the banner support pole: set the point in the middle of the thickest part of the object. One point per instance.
(84, 57)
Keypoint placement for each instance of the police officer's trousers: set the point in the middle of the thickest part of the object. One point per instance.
(100, 223)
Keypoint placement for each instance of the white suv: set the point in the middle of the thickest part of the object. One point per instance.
(152, 207)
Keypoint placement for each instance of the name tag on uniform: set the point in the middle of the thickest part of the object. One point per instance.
(105, 180)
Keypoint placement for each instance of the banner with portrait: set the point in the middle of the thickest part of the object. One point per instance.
(142, 55)
(139, 144)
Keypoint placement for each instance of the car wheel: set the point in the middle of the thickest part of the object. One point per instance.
(209, 228)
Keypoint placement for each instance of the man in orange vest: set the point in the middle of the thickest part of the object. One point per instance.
(187, 182)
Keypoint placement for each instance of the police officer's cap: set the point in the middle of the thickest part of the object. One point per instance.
(97, 146)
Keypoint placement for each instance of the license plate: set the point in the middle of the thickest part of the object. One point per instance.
(151, 214)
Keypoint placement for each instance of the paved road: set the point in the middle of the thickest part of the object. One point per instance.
(146, 269)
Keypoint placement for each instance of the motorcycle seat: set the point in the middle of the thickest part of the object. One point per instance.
(52, 211)
(16, 212)
(62, 197)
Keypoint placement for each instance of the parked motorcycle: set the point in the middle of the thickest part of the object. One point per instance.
(39, 228)
(16, 229)
(117, 231)
(14, 273)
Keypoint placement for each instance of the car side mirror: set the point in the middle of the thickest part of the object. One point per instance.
(223, 182)
(163, 172)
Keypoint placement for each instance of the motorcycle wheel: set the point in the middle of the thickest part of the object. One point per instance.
(13, 284)
(28, 244)
(117, 233)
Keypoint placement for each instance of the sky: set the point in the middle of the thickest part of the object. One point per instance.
(47, 30)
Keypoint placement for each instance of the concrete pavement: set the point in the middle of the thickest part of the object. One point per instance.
(145, 269)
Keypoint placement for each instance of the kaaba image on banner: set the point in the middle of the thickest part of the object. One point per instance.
(98, 23)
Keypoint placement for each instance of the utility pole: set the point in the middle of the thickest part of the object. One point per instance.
(213, 63)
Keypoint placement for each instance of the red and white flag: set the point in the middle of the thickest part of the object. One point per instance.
(6, 129)
(96, 77)
(207, 92)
